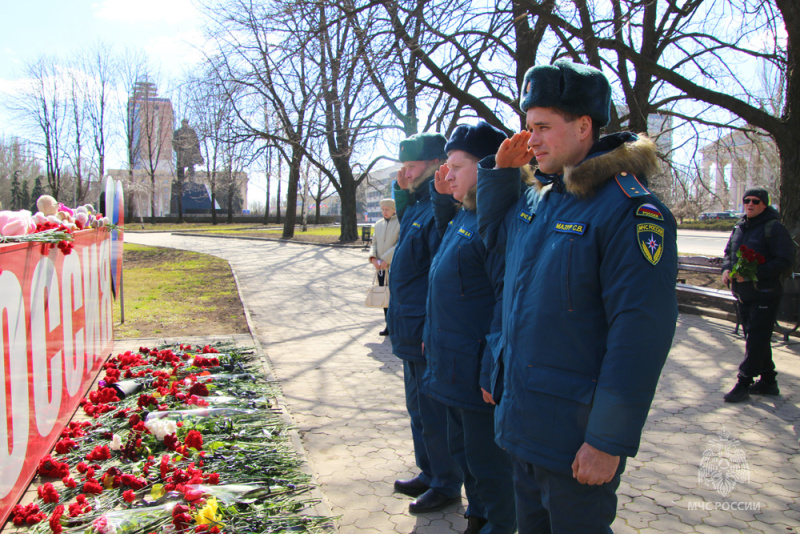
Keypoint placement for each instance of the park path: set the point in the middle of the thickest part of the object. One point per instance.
(344, 390)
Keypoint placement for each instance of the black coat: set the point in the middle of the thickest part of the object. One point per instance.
(778, 249)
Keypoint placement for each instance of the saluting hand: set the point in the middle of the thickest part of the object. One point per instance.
(514, 151)
(401, 179)
(439, 182)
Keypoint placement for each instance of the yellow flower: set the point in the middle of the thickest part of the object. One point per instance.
(208, 513)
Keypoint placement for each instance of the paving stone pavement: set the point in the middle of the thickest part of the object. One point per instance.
(344, 390)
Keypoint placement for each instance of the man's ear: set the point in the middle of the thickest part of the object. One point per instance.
(584, 127)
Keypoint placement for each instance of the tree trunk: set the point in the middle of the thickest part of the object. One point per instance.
(790, 191)
(349, 228)
(291, 193)
(128, 196)
(213, 203)
(180, 179)
(153, 198)
(231, 190)
(266, 205)
(318, 199)
(278, 203)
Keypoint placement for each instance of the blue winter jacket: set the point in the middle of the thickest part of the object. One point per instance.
(589, 303)
(464, 287)
(408, 275)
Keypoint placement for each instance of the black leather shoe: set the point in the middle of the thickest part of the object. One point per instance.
(765, 387)
(475, 524)
(413, 487)
(740, 392)
(431, 501)
(384, 332)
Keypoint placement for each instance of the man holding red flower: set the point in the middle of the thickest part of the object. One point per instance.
(759, 251)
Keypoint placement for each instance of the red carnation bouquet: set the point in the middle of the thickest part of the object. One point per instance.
(747, 264)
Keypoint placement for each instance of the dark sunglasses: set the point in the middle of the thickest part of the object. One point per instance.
(753, 201)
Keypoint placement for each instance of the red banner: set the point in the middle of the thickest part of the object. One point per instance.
(57, 329)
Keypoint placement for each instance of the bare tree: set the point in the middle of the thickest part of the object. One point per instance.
(133, 67)
(155, 134)
(42, 110)
(75, 153)
(16, 157)
(100, 68)
(350, 106)
(261, 58)
(705, 51)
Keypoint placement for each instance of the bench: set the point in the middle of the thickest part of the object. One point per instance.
(699, 264)
(788, 309)
(723, 298)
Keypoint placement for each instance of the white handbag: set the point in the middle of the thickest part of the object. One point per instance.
(378, 296)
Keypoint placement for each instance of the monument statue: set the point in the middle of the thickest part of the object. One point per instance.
(187, 148)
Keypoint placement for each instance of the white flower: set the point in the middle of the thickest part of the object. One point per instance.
(116, 443)
(161, 427)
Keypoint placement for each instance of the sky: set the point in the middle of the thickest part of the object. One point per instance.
(167, 30)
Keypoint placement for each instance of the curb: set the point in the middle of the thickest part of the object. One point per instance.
(322, 508)
(279, 240)
(707, 312)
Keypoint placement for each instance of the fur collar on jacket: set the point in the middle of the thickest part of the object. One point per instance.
(636, 156)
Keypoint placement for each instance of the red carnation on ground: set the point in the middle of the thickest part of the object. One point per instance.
(134, 482)
(55, 519)
(65, 445)
(52, 468)
(194, 439)
(146, 400)
(93, 487)
(165, 467)
(99, 453)
(171, 442)
(48, 493)
(180, 517)
(129, 495)
(201, 390)
(26, 515)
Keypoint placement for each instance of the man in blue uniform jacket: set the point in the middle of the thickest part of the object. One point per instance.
(440, 479)
(589, 304)
(464, 289)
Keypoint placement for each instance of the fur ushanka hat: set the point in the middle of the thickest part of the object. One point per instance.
(480, 140)
(572, 87)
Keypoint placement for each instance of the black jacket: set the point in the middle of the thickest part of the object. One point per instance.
(778, 249)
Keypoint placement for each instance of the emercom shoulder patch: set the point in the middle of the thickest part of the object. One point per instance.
(650, 240)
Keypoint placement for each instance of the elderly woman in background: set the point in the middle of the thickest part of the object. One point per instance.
(384, 240)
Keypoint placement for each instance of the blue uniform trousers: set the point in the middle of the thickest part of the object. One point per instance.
(487, 471)
(550, 502)
(429, 430)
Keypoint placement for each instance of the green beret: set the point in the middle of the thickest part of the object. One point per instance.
(423, 147)
(571, 87)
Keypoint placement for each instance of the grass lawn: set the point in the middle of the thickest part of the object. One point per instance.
(171, 293)
(136, 226)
